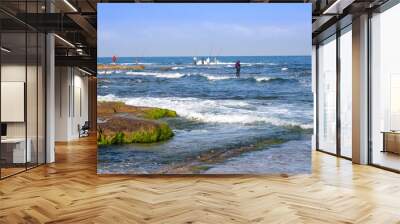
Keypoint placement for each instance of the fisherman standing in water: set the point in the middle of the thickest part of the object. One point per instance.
(114, 59)
(237, 66)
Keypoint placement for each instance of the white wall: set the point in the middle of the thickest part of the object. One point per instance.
(71, 94)
(12, 73)
(62, 81)
(81, 113)
(33, 126)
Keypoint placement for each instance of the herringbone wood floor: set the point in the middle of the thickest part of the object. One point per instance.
(69, 191)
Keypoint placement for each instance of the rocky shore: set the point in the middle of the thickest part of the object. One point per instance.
(119, 123)
(206, 160)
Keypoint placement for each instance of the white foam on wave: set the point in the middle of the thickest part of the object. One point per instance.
(159, 75)
(217, 111)
(262, 79)
(137, 63)
(217, 78)
(214, 77)
(257, 78)
(177, 75)
(284, 69)
(103, 72)
(224, 63)
(180, 75)
(242, 63)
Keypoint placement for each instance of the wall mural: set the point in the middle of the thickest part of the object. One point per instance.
(204, 88)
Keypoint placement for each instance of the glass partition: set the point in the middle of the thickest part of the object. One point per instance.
(346, 92)
(13, 92)
(327, 95)
(22, 88)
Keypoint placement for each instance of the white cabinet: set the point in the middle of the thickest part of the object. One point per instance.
(19, 155)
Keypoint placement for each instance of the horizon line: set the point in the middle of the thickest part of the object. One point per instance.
(207, 56)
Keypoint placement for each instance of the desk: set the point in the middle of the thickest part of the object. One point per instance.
(16, 147)
(391, 141)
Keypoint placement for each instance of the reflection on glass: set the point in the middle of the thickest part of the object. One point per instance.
(14, 153)
(22, 91)
(31, 97)
(385, 95)
(327, 96)
(346, 93)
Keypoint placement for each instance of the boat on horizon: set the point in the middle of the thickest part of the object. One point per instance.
(205, 61)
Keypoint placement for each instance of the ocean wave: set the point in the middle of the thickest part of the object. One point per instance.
(214, 77)
(262, 79)
(284, 69)
(242, 63)
(137, 63)
(217, 111)
(274, 79)
(159, 75)
(104, 81)
(102, 72)
(210, 77)
(243, 78)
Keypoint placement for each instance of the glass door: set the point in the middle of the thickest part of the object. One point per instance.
(14, 155)
(385, 89)
(22, 77)
(327, 95)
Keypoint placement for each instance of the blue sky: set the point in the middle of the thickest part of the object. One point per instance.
(149, 29)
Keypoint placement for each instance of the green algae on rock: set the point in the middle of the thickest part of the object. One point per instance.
(124, 124)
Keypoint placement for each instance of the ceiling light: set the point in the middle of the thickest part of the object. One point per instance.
(5, 50)
(337, 7)
(334, 5)
(65, 41)
(70, 5)
(86, 72)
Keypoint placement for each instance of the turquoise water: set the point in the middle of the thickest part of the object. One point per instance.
(271, 101)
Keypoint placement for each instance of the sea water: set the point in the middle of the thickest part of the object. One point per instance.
(271, 102)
